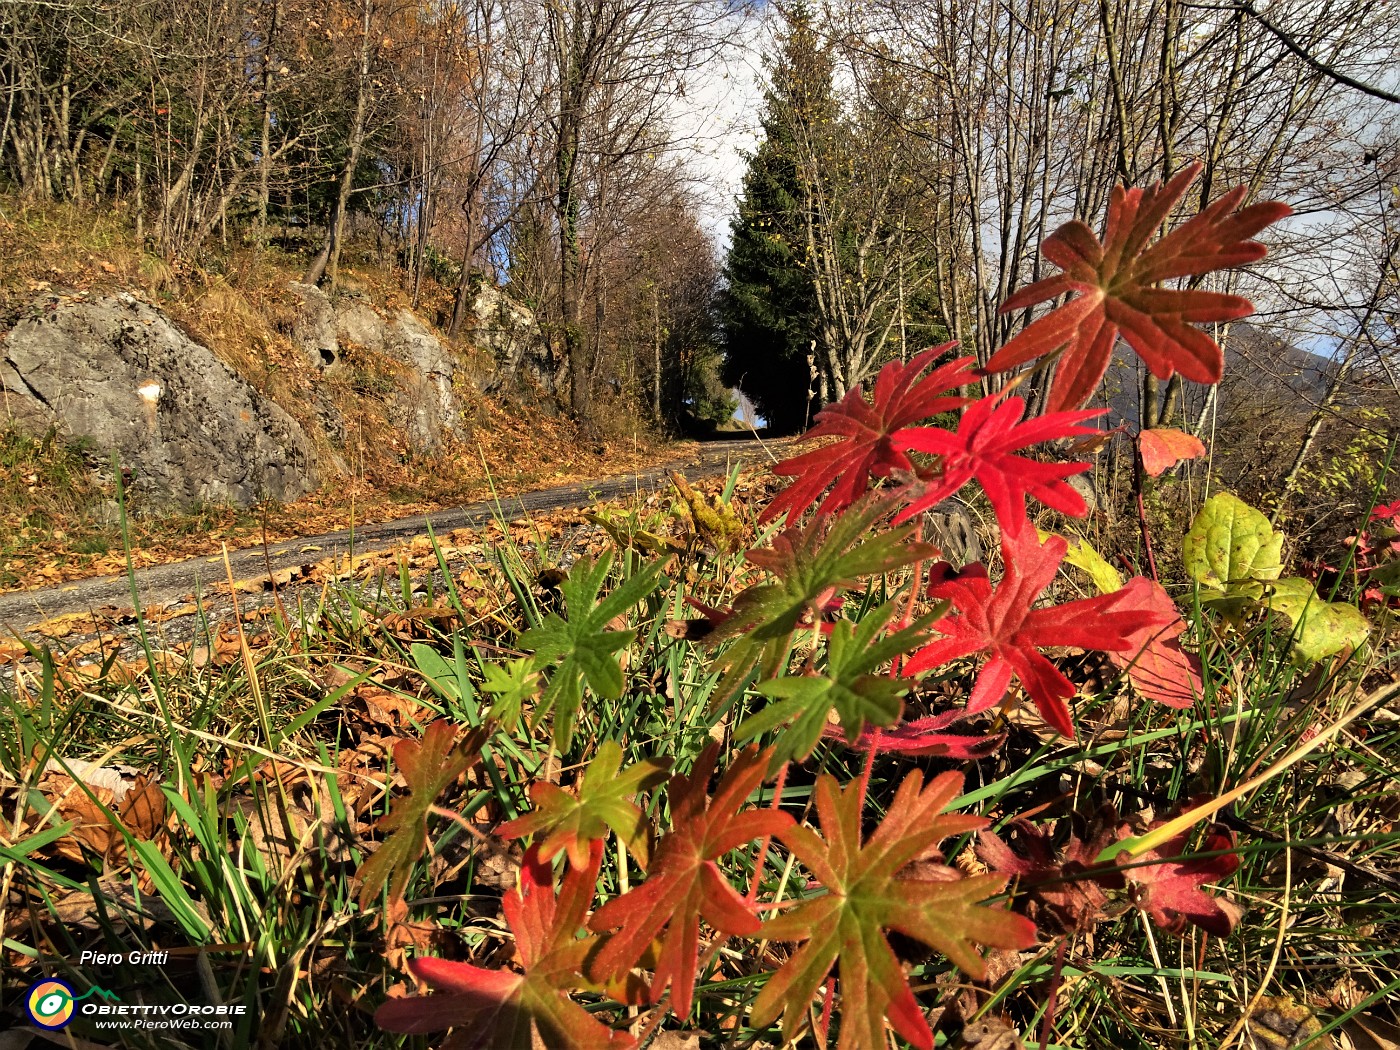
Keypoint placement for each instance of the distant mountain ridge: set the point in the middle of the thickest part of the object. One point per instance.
(1260, 369)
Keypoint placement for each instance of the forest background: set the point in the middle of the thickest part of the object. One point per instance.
(909, 159)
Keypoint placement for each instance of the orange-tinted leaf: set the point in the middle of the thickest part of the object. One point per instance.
(1163, 449)
(869, 891)
(1117, 286)
(428, 767)
(1154, 659)
(501, 1010)
(572, 821)
(684, 884)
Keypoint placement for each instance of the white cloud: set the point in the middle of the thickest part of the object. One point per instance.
(718, 116)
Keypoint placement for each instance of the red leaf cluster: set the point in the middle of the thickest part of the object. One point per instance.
(1073, 892)
(870, 446)
(684, 884)
(985, 445)
(499, 1009)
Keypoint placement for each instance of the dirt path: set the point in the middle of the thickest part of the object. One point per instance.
(22, 611)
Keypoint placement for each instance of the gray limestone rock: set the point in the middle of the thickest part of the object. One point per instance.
(423, 403)
(509, 331)
(313, 326)
(428, 406)
(116, 371)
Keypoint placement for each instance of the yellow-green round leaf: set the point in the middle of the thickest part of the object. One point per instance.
(1320, 628)
(1231, 543)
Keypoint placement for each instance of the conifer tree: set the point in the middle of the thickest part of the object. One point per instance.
(769, 311)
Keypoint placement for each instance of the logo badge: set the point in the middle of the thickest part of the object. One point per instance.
(50, 1004)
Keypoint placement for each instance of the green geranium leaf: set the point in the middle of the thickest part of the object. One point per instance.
(582, 646)
(562, 820)
(511, 683)
(850, 686)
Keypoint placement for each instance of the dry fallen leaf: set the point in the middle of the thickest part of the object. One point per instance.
(1367, 1032)
(676, 1041)
(991, 1034)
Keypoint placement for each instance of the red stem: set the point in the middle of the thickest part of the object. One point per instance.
(1142, 512)
(1053, 990)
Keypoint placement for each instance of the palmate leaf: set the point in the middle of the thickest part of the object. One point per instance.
(808, 568)
(989, 436)
(684, 884)
(864, 896)
(582, 646)
(1117, 287)
(511, 683)
(572, 821)
(1153, 657)
(848, 685)
(869, 445)
(428, 767)
(926, 736)
(1004, 623)
(502, 1010)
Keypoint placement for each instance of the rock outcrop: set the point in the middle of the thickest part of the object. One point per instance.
(423, 404)
(514, 352)
(116, 371)
(508, 331)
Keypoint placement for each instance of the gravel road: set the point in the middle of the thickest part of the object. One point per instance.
(22, 611)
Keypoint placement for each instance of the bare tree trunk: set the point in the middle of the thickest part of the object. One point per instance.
(656, 349)
(327, 261)
(264, 156)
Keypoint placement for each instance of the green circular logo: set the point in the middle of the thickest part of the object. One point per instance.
(50, 1004)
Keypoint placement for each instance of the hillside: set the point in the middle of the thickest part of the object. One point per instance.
(385, 436)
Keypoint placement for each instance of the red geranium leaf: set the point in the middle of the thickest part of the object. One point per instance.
(428, 767)
(1118, 285)
(1065, 894)
(505, 1011)
(684, 884)
(989, 434)
(867, 448)
(1169, 890)
(571, 821)
(1003, 623)
(866, 895)
(1164, 448)
(1156, 663)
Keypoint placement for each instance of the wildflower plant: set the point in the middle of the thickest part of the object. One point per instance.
(634, 887)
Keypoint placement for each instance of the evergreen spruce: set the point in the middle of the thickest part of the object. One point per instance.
(769, 311)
